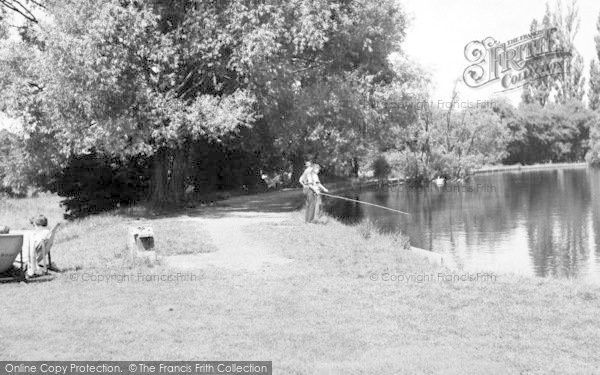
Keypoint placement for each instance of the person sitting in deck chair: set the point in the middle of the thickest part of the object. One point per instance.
(42, 240)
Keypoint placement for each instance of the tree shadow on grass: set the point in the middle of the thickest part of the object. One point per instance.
(286, 200)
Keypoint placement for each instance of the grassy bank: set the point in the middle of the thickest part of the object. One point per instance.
(351, 301)
(99, 241)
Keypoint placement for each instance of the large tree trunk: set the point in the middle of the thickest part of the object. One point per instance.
(178, 174)
(355, 167)
(160, 177)
(168, 177)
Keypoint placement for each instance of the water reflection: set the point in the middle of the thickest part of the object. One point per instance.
(543, 223)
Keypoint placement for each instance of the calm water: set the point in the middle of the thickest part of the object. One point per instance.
(544, 223)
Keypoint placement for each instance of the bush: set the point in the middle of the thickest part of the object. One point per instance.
(216, 167)
(553, 133)
(411, 167)
(418, 169)
(593, 156)
(94, 183)
(381, 167)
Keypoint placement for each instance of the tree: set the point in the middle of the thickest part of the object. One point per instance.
(315, 89)
(24, 8)
(555, 133)
(570, 84)
(107, 75)
(594, 90)
(14, 174)
(158, 78)
(467, 139)
(445, 140)
(593, 156)
(509, 115)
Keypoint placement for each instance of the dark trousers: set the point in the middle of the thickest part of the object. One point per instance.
(311, 204)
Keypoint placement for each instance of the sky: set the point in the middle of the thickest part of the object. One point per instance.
(440, 30)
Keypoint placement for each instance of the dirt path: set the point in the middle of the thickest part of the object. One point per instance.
(230, 223)
(236, 249)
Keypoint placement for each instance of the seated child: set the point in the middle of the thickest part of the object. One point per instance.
(42, 232)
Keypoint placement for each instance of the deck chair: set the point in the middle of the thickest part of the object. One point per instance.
(10, 248)
(45, 246)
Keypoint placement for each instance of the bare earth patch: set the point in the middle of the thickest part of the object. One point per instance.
(235, 250)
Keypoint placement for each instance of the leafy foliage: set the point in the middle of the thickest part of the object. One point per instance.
(568, 86)
(13, 177)
(381, 168)
(445, 142)
(151, 79)
(315, 90)
(93, 183)
(555, 133)
(594, 89)
(159, 95)
(593, 156)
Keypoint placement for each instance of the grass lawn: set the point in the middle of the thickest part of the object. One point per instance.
(332, 310)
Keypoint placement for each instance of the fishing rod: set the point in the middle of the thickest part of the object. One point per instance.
(369, 204)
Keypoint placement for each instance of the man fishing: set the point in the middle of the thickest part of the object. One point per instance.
(312, 188)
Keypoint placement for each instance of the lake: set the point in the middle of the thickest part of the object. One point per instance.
(544, 223)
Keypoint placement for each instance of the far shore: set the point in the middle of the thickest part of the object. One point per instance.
(362, 183)
(519, 167)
